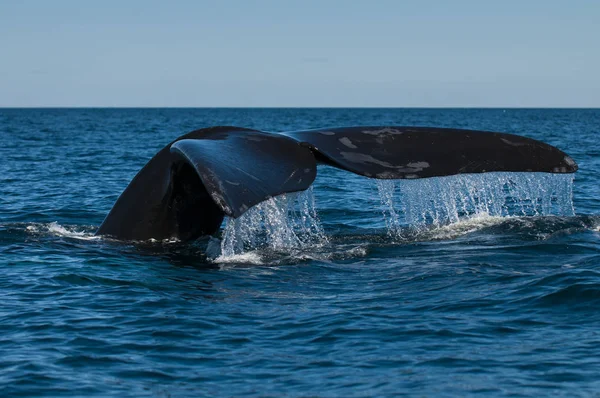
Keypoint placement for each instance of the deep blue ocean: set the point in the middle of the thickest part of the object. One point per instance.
(504, 300)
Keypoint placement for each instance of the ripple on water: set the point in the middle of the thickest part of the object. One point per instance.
(491, 294)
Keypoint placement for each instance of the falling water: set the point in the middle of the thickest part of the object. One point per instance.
(290, 221)
(444, 200)
(284, 222)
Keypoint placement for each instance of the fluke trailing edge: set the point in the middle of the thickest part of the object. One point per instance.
(190, 185)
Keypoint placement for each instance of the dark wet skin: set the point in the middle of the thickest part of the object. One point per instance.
(421, 152)
(188, 187)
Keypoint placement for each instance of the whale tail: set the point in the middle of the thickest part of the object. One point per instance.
(190, 185)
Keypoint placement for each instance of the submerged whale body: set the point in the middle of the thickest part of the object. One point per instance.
(190, 185)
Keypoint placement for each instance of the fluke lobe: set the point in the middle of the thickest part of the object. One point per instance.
(188, 187)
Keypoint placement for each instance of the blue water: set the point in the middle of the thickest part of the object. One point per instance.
(503, 300)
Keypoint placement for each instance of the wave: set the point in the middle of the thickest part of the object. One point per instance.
(571, 288)
(78, 232)
(463, 226)
(337, 250)
(287, 242)
(338, 246)
(56, 229)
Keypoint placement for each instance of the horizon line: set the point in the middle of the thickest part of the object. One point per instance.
(297, 107)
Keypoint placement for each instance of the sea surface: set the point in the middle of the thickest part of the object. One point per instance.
(482, 285)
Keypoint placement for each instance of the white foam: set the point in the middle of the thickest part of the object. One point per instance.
(466, 226)
(32, 228)
(165, 241)
(243, 258)
(56, 229)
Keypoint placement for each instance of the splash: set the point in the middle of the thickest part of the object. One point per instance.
(465, 226)
(83, 233)
(252, 257)
(446, 200)
(56, 229)
(282, 223)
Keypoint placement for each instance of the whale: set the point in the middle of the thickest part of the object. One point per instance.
(188, 188)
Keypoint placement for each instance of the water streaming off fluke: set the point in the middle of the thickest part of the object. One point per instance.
(284, 222)
(445, 200)
(290, 222)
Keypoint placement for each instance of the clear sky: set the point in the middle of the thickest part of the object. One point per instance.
(430, 53)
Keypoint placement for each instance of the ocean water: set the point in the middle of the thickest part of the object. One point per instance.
(462, 286)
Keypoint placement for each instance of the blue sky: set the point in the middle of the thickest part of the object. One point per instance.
(528, 53)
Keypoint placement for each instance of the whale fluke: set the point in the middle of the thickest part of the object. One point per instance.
(243, 168)
(190, 185)
(422, 152)
(187, 188)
